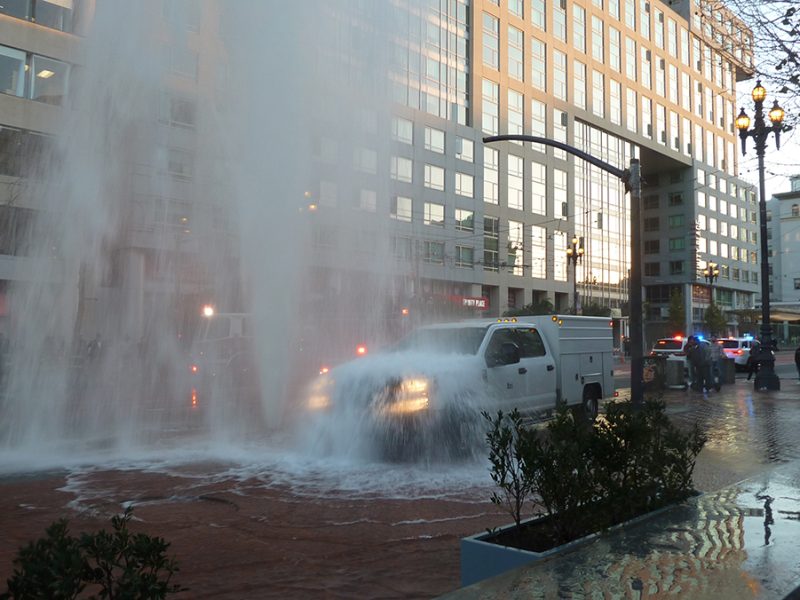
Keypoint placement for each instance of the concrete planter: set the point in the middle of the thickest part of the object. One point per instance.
(482, 559)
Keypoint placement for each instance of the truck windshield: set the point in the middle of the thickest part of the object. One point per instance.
(454, 340)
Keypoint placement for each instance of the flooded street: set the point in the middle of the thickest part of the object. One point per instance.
(270, 523)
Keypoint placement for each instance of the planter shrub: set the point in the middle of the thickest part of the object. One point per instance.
(113, 565)
(587, 478)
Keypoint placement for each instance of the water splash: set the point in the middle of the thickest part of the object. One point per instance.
(184, 173)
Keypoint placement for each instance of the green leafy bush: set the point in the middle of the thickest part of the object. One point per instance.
(116, 565)
(589, 477)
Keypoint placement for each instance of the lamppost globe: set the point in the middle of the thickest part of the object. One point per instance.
(759, 92)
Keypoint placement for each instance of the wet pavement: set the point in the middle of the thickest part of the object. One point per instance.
(737, 540)
(272, 529)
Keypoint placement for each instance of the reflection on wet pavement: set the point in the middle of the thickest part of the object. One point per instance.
(737, 540)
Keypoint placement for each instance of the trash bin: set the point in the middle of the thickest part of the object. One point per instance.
(653, 372)
(727, 370)
(674, 373)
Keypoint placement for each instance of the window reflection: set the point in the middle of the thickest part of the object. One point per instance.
(49, 80)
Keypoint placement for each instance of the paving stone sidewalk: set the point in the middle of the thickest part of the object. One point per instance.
(737, 540)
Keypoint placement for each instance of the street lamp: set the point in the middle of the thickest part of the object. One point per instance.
(575, 255)
(711, 273)
(766, 378)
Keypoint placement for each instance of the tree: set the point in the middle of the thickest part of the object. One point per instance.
(543, 307)
(676, 320)
(714, 320)
(595, 309)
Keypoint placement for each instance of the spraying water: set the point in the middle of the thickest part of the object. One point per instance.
(230, 155)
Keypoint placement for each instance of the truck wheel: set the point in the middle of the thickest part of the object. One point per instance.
(587, 411)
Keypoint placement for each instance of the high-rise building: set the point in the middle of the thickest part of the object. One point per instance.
(445, 224)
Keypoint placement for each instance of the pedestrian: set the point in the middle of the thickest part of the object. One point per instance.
(797, 361)
(716, 361)
(752, 359)
(694, 357)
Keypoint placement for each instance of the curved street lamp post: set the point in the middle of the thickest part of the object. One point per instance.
(766, 378)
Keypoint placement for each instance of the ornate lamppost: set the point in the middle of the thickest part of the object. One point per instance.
(766, 378)
(575, 255)
(711, 274)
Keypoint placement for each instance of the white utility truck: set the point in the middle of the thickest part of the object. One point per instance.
(444, 374)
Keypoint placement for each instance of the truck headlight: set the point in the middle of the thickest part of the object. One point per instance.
(411, 396)
(319, 393)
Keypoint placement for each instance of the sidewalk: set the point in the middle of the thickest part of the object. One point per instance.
(737, 540)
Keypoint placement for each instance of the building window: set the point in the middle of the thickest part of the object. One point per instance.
(538, 252)
(184, 61)
(434, 140)
(538, 188)
(676, 199)
(12, 71)
(515, 247)
(434, 177)
(491, 41)
(491, 107)
(630, 58)
(401, 208)
(797, 283)
(795, 210)
(579, 84)
(559, 75)
(652, 246)
(490, 176)
(368, 200)
(650, 202)
(434, 253)
(631, 112)
(538, 123)
(597, 39)
(365, 160)
(560, 20)
(491, 238)
(652, 269)
(677, 244)
(55, 15)
(180, 163)
(598, 94)
(539, 64)
(651, 224)
(401, 248)
(181, 112)
(538, 17)
(515, 173)
(515, 112)
(579, 28)
(676, 267)
(560, 207)
(401, 169)
(614, 47)
(465, 220)
(402, 130)
(516, 52)
(465, 256)
(464, 186)
(675, 221)
(434, 214)
(465, 149)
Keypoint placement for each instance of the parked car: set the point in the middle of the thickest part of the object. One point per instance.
(738, 349)
(674, 348)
